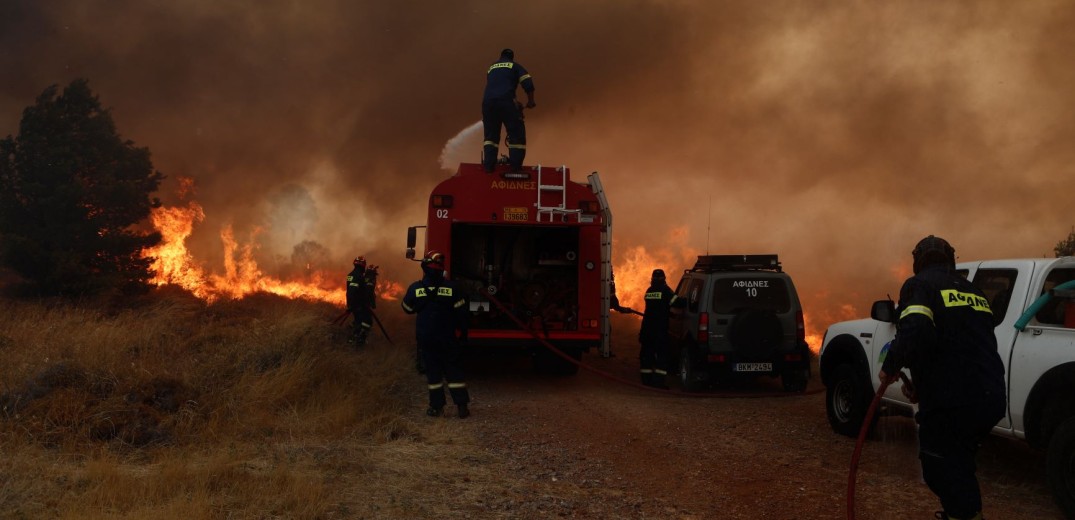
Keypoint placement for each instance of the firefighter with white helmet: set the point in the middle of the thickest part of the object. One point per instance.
(441, 312)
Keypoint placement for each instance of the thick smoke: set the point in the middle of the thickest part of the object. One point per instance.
(834, 134)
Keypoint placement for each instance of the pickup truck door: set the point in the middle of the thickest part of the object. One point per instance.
(1041, 346)
(1006, 286)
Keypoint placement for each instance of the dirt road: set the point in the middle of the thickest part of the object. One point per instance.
(589, 447)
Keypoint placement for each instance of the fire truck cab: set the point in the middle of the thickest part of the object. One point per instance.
(530, 248)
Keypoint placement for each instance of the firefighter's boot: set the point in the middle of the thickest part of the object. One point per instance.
(361, 336)
(434, 411)
(464, 411)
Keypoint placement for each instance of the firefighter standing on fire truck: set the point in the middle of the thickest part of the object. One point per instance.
(945, 336)
(499, 107)
(442, 310)
(660, 299)
(361, 299)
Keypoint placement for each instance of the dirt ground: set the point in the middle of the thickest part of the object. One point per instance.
(590, 446)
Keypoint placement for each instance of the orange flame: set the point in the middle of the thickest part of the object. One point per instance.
(173, 263)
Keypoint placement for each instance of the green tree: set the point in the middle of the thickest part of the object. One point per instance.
(1066, 247)
(72, 194)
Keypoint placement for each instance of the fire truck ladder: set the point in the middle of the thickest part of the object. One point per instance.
(606, 264)
(556, 191)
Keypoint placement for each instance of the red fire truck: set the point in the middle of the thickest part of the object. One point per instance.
(533, 245)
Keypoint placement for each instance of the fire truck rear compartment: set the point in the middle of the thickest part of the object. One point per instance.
(532, 270)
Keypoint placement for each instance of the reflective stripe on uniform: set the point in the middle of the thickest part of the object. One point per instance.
(460, 303)
(501, 65)
(456, 385)
(524, 78)
(366, 325)
(653, 295)
(406, 307)
(517, 146)
(673, 300)
(660, 372)
(437, 386)
(646, 371)
(954, 298)
(489, 143)
(917, 309)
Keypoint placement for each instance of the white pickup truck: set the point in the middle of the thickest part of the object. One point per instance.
(1032, 303)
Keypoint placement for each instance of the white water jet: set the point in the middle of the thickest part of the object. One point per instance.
(464, 147)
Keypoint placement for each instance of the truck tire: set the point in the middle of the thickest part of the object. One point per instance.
(756, 334)
(847, 399)
(1060, 466)
(691, 373)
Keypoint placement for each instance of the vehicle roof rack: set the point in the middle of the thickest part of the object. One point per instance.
(711, 263)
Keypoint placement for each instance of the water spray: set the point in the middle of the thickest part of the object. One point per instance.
(455, 150)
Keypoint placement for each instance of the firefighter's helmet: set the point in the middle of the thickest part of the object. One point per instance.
(433, 259)
(360, 261)
(507, 54)
(933, 250)
(657, 276)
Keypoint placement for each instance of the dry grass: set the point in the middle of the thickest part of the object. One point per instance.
(248, 409)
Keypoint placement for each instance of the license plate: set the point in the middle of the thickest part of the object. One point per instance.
(753, 367)
(515, 214)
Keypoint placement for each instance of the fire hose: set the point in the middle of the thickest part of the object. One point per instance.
(343, 316)
(866, 420)
(613, 377)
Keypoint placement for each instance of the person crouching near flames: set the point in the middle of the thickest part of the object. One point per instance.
(652, 357)
(441, 311)
(945, 336)
(361, 299)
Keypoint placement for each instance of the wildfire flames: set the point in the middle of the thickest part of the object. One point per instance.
(173, 264)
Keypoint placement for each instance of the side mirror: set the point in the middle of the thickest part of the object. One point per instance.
(412, 238)
(884, 310)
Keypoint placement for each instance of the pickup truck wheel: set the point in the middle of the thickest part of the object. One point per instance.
(1060, 466)
(847, 398)
(690, 374)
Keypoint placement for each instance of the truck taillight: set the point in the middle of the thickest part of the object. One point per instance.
(442, 201)
(703, 328)
(589, 206)
(800, 326)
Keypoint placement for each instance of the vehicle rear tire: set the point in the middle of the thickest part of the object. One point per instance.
(847, 399)
(691, 374)
(1060, 466)
(756, 334)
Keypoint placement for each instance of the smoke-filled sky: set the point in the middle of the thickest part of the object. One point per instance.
(836, 134)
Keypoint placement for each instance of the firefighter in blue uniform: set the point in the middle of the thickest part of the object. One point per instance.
(442, 310)
(499, 107)
(945, 337)
(361, 299)
(652, 357)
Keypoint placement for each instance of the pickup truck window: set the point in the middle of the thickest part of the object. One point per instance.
(997, 284)
(1053, 311)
